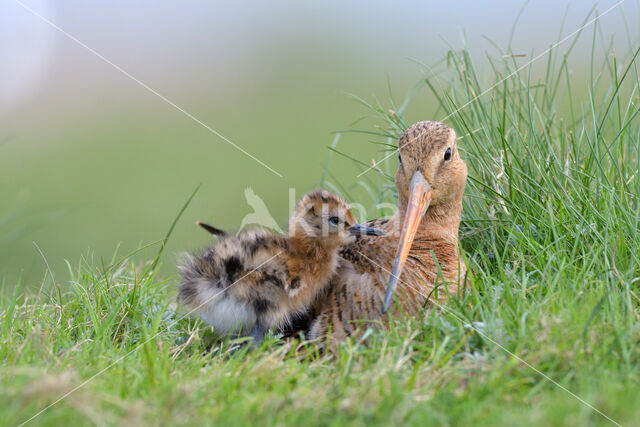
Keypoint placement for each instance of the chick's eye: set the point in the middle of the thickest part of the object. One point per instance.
(334, 220)
(447, 154)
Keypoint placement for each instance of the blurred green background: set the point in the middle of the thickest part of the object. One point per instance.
(90, 160)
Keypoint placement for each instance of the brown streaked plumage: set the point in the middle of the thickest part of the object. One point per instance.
(257, 280)
(431, 175)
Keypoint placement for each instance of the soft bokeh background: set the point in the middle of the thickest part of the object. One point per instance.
(91, 160)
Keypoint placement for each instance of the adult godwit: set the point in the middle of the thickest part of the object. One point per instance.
(420, 246)
(257, 280)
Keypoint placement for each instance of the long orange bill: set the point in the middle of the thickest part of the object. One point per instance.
(419, 199)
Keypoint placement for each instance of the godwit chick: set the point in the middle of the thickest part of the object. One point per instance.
(420, 244)
(257, 280)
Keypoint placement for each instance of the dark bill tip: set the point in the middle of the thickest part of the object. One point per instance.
(363, 230)
(387, 298)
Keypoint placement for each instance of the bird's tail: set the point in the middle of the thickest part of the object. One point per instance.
(211, 229)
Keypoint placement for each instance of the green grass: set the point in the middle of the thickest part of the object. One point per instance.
(550, 228)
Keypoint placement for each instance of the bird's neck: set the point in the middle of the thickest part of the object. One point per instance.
(442, 220)
(312, 249)
(312, 259)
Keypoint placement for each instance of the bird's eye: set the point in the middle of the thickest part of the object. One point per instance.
(399, 157)
(334, 220)
(447, 155)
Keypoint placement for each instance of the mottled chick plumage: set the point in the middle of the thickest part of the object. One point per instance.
(258, 280)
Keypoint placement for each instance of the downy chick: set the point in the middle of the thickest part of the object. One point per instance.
(257, 280)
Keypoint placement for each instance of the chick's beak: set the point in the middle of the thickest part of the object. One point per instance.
(419, 199)
(360, 230)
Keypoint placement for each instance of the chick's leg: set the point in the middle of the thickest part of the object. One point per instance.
(257, 333)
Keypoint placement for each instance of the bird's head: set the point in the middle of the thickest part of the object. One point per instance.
(431, 173)
(321, 214)
(430, 162)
